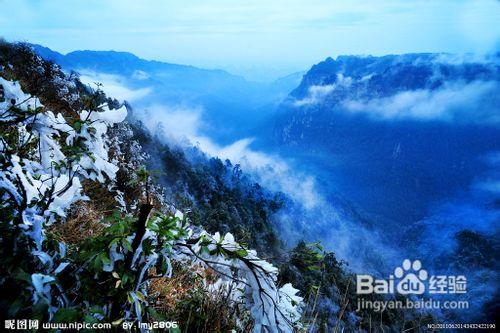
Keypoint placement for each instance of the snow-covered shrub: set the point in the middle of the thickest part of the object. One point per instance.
(46, 153)
(43, 158)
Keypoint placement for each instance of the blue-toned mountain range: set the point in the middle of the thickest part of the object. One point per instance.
(227, 99)
(403, 150)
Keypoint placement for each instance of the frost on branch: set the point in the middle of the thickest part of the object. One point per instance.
(43, 157)
(253, 280)
(46, 154)
(249, 281)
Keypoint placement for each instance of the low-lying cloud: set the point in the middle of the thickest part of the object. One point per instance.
(114, 86)
(473, 101)
(459, 101)
(317, 93)
(308, 216)
(185, 125)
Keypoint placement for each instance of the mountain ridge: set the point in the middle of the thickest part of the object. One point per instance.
(71, 58)
(416, 68)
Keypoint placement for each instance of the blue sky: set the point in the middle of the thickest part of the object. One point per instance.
(253, 37)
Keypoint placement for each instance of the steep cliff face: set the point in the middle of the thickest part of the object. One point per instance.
(384, 76)
(412, 141)
(415, 125)
(393, 88)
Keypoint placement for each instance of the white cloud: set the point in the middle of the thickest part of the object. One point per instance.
(273, 172)
(464, 58)
(182, 124)
(114, 86)
(317, 93)
(179, 122)
(140, 75)
(458, 101)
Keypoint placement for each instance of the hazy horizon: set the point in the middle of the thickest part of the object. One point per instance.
(259, 40)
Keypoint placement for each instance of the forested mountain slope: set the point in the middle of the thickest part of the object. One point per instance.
(220, 97)
(91, 231)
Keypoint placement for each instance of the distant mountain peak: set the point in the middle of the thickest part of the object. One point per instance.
(392, 73)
